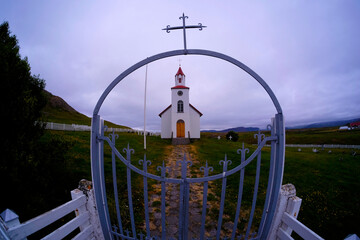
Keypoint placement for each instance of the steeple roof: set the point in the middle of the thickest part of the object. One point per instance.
(180, 72)
(180, 87)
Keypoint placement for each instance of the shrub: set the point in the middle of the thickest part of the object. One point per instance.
(234, 136)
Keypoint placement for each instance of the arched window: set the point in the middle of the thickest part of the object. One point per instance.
(180, 106)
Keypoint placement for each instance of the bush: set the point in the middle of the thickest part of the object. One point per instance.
(234, 136)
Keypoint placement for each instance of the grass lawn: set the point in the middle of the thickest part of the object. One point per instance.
(328, 183)
(329, 187)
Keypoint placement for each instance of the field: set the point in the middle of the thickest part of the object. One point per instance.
(328, 183)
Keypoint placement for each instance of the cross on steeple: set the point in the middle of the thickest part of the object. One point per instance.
(183, 27)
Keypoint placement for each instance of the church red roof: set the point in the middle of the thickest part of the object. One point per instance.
(180, 86)
(180, 72)
(165, 110)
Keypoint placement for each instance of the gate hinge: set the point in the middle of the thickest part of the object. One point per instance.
(99, 138)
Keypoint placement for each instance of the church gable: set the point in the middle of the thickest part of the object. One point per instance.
(196, 110)
(168, 108)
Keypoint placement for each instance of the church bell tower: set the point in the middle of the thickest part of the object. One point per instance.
(180, 103)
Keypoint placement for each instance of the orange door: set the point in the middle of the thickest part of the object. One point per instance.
(180, 129)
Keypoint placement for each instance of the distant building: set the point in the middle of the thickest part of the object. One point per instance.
(344, 128)
(180, 119)
(355, 125)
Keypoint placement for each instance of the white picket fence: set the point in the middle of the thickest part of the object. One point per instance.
(322, 146)
(76, 127)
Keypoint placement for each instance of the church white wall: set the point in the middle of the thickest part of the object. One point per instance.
(175, 116)
(194, 124)
(166, 124)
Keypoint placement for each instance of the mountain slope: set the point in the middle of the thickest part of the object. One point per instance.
(237, 129)
(59, 111)
(326, 124)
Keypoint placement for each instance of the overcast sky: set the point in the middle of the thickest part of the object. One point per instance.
(308, 52)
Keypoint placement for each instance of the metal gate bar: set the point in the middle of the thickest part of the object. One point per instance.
(116, 195)
(145, 163)
(206, 170)
(270, 182)
(243, 151)
(257, 178)
(225, 164)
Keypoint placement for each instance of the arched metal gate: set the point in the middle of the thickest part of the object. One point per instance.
(115, 230)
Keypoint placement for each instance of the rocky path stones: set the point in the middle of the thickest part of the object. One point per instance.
(176, 153)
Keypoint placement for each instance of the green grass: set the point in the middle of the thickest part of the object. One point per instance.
(80, 151)
(62, 116)
(304, 136)
(81, 166)
(330, 189)
(328, 186)
(323, 136)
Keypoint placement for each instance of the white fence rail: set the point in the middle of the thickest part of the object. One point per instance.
(322, 146)
(285, 219)
(293, 224)
(86, 219)
(76, 127)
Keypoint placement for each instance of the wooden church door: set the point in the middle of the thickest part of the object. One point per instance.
(180, 129)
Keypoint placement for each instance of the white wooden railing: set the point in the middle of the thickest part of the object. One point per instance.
(77, 127)
(321, 146)
(285, 219)
(293, 224)
(86, 220)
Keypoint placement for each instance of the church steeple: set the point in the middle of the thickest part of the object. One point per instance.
(180, 78)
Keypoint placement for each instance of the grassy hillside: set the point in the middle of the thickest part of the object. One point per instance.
(58, 111)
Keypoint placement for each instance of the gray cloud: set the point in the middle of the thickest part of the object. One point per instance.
(307, 53)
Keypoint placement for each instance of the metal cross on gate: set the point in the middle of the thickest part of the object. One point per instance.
(199, 26)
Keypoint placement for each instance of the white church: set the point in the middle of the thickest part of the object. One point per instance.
(180, 119)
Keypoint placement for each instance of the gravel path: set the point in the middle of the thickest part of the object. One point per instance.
(176, 153)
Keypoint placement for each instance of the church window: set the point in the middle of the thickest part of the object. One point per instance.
(180, 106)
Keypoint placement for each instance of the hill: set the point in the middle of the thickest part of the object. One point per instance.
(305, 126)
(326, 124)
(237, 129)
(59, 111)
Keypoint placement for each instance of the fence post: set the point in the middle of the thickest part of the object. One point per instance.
(85, 188)
(293, 208)
(287, 191)
(8, 219)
